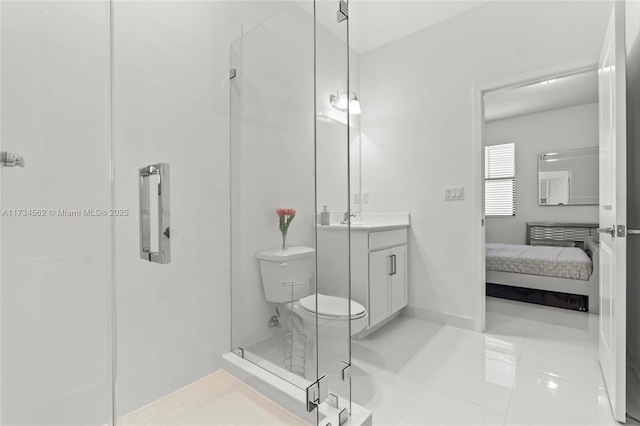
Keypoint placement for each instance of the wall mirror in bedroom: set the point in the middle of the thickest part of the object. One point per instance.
(568, 177)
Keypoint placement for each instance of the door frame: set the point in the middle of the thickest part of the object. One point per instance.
(479, 90)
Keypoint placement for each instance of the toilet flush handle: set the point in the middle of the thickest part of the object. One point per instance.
(293, 284)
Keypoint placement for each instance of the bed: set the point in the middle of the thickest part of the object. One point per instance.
(558, 257)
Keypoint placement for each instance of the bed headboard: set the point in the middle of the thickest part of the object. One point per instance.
(558, 231)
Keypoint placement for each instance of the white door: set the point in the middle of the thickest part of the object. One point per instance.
(613, 212)
(379, 297)
(399, 296)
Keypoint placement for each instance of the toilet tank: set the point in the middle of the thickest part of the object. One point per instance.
(287, 275)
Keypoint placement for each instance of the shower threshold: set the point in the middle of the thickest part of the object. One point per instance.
(290, 394)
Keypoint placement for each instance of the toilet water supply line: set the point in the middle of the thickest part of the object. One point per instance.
(275, 320)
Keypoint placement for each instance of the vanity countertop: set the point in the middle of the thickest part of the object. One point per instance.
(366, 226)
(370, 222)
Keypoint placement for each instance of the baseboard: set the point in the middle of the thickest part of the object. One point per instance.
(364, 333)
(440, 317)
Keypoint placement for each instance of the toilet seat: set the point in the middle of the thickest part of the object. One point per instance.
(332, 307)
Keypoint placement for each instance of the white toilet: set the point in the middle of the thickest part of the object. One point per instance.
(287, 276)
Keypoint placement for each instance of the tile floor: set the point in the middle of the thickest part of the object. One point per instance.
(217, 399)
(534, 365)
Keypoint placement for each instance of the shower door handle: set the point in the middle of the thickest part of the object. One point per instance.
(11, 159)
(163, 254)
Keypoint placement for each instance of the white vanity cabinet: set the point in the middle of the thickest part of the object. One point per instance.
(379, 259)
(387, 274)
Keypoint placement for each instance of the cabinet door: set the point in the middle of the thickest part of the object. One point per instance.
(399, 284)
(379, 297)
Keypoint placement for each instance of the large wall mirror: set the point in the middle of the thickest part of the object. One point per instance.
(568, 177)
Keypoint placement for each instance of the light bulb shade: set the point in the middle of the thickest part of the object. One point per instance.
(354, 107)
(342, 102)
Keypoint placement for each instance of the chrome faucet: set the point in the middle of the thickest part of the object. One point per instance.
(345, 218)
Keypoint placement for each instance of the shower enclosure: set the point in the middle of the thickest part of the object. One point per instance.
(157, 139)
(289, 148)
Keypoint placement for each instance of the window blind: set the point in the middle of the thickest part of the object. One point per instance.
(500, 180)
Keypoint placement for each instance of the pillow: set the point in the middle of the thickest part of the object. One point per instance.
(553, 243)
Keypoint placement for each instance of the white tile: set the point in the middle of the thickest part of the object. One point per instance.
(395, 344)
(543, 399)
(506, 325)
(405, 403)
(579, 364)
(563, 317)
(477, 379)
(546, 332)
(59, 24)
(508, 307)
(509, 421)
(497, 347)
(54, 111)
(54, 337)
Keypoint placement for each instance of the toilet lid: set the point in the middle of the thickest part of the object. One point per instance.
(332, 306)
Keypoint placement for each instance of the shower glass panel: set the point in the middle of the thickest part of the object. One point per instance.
(289, 149)
(55, 253)
(333, 92)
(170, 63)
(272, 166)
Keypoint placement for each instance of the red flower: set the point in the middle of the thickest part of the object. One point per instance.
(286, 215)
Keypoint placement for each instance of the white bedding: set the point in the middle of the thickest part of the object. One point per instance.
(558, 262)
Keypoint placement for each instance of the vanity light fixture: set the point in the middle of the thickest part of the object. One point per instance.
(340, 101)
(354, 105)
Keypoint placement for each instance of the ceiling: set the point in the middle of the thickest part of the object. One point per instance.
(578, 89)
(374, 23)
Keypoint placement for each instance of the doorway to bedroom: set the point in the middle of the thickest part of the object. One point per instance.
(540, 190)
(539, 157)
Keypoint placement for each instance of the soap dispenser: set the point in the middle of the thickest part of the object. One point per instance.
(325, 216)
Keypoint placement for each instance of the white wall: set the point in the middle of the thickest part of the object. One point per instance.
(417, 126)
(55, 270)
(549, 131)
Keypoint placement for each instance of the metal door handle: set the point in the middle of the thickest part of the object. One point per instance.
(611, 231)
(394, 265)
(11, 159)
(163, 255)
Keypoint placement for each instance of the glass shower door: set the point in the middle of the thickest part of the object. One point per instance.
(54, 183)
(334, 128)
(170, 65)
